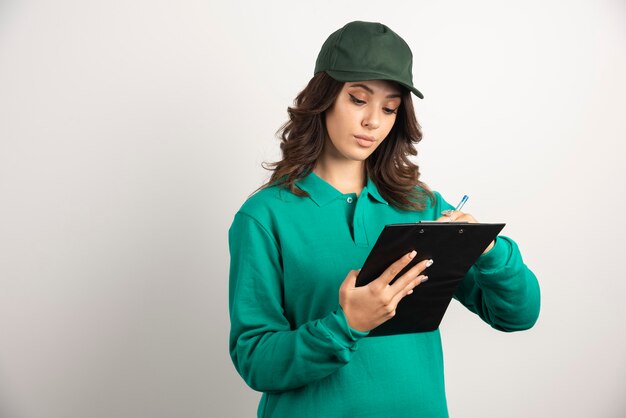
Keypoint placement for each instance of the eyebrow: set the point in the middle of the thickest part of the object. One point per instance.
(366, 87)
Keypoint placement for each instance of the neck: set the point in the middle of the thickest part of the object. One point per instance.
(344, 175)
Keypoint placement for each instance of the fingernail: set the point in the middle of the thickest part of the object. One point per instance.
(412, 254)
(409, 292)
(424, 279)
(429, 263)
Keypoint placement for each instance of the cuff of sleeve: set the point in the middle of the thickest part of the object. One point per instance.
(496, 258)
(338, 328)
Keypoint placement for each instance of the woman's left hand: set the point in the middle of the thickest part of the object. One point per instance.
(458, 216)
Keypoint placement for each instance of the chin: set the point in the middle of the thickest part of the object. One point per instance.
(364, 154)
(357, 156)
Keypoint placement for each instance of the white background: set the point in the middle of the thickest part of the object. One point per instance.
(131, 132)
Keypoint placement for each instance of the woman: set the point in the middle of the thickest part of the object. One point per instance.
(298, 323)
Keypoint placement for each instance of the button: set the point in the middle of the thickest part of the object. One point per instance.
(349, 200)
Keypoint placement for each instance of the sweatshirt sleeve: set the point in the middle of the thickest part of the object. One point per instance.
(266, 349)
(499, 287)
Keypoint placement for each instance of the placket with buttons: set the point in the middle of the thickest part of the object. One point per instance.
(358, 221)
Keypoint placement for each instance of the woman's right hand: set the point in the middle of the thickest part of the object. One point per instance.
(366, 307)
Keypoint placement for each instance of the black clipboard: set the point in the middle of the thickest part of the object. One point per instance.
(453, 246)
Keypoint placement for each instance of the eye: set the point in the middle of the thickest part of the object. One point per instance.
(390, 111)
(355, 100)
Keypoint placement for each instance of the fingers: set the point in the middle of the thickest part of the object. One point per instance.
(408, 289)
(404, 285)
(392, 271)
(444, 218)
(447, 216)
(456, 216)
(408, 279)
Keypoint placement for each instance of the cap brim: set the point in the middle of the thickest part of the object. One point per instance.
(360, 76)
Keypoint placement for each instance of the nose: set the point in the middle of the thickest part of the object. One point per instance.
(371, 120)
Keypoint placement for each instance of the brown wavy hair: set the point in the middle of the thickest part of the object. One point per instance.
(389, 167)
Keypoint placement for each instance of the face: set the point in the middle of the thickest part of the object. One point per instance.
(360, 118)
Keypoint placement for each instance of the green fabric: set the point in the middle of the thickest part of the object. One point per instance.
(289, 336)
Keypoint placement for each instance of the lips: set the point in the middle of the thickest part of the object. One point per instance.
(365, 141)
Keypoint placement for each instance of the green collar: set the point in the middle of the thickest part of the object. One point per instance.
(322, 193)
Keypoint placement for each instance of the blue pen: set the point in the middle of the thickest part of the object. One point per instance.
(448, 212)
(460, 205)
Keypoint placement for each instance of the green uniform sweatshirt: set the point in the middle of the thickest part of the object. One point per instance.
(290, 338)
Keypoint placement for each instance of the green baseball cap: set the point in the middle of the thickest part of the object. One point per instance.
(367, 51)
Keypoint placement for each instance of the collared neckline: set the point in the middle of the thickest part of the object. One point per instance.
(373, 191)
(322, 192)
